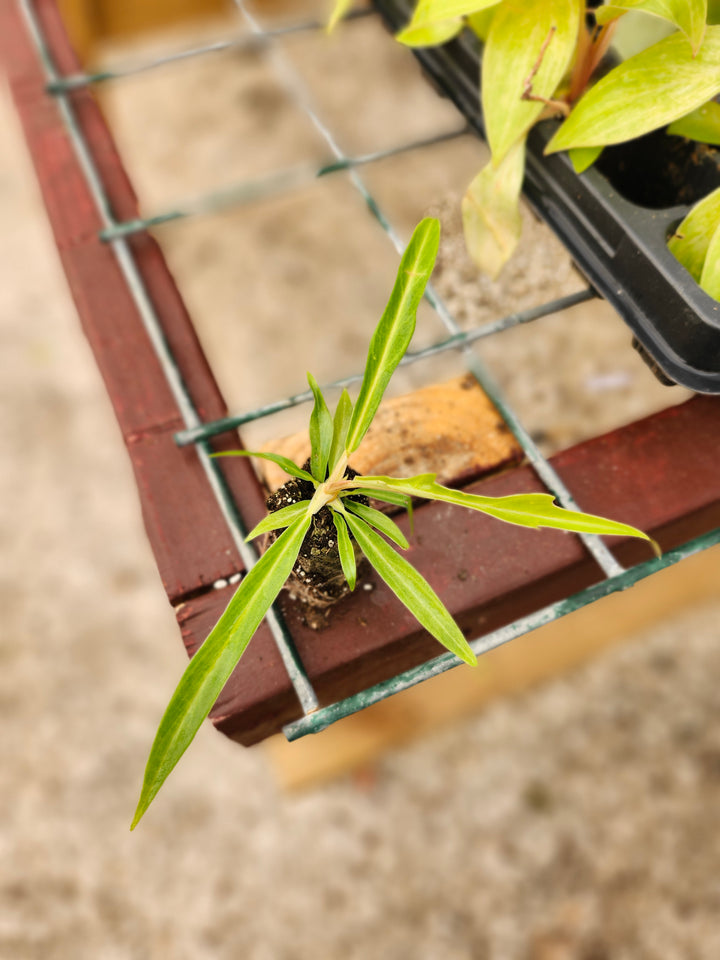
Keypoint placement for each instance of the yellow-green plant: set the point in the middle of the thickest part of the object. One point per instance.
(333, 441)
(539, 58)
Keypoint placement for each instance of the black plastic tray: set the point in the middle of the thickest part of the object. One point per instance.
(620, 246)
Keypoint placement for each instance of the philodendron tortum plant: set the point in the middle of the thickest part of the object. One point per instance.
(333, 487)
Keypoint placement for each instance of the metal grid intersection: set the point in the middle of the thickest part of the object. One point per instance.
(196, 432)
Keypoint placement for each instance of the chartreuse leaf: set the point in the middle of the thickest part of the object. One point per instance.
(280, 518)
(321, 433)
(340, 8)
(379, 520)
(287, 465)
(702, 124)
(529, 42)
(213, 663)
(341, 422)
(524, 509)
(345, 550)
(388, 496)
(687, 15)
(491, 211)
(430, 13)
(397, 324)
(651, 89)
(710, 278)
(480, 22)
(691, 240)
(584, 157)
(412, 589)
(430, 34)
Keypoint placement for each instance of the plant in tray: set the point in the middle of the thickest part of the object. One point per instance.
(542, 58)
(328, 494)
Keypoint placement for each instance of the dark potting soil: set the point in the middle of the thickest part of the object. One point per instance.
(317, 581)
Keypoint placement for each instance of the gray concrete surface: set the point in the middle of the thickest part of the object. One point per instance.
(576, 822)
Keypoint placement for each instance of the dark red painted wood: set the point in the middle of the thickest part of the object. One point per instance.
(184, 523)
(660, 474)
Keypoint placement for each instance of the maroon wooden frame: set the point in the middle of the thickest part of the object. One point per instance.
(660, 474)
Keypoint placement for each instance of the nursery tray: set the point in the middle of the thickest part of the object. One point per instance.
(619, 245)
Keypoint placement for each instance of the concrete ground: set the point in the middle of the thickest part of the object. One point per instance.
(576, 822)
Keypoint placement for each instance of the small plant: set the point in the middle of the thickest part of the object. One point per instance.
(541, 59)
(337, 489)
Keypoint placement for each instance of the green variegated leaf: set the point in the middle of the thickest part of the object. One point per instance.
(345, 550)
(387, 496)
(688, 15)
(691, 240)
(412, 589)
(710, 278)
(213, 663)
(525, 509)
(339, 10)
(530, 43)
(321, 433)
(341, 422)
(584, 157)
(397, 324)
(428, 13)
(430, 34)
(650, 90)
(702, 124)
(287, 465)
(491, 211)
(379, 520)
(280, 518)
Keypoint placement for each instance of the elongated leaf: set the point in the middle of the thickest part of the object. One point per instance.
(213, 663)
(480, 22)
(412, 589)
(650, 90)
(287, 465)
(280, 518)
(692, 238)
(430, 12)
(345, 550)
(688, 15)
(379, 520)
(392, 496)
(430, 35)
(340, 8)
(710, 278)
(530, 41)
(491, 211)
(584, 157)
(321, 433)
(524, 509)
(341, 422)
(397, 324)
(702, 124)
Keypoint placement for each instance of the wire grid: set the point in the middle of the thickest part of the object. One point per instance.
(195, 432)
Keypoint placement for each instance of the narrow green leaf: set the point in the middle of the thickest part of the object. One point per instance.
(397, 324)
(280, 518)
(321, 433)
(524, 509)
(702, 124)
(650, 90)
(341, 422)
(345, 550)
(431, 12)
(584, 157)
(710, 278)
(530, 42)
(480, 22)
(687, 15)
(491, 211)
(412, 589)
(287, 465)
(391, 496)
(379, 520)
(339, 10)
(432, 34)
(691, 240)
(213, 663)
